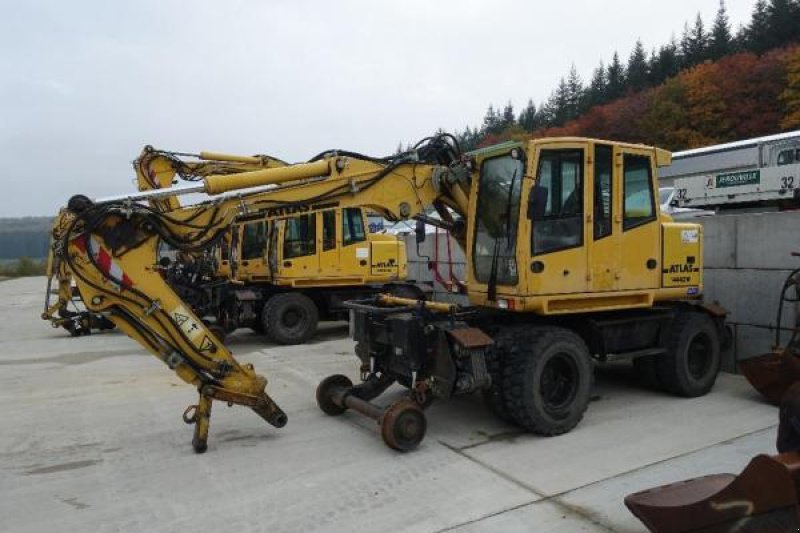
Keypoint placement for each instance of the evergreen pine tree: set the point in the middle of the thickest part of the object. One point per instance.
(758, 31)
(636, 76)
(574, 99)
(784, 26)
(596, 92)
(615, 79)
(492, 121)
(720, 43)
(694, 43)
(527, 117)
(508, 118)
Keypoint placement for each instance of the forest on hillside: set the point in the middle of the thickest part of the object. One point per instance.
(711, 86)
(24, 237)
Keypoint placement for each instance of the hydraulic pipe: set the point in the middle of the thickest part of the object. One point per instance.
(439, 307)
(216, 184)
(217, 156)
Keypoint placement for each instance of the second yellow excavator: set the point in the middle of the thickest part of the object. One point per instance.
(278, 273)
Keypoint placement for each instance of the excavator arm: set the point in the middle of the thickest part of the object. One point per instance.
(155, 170)
(110, 249)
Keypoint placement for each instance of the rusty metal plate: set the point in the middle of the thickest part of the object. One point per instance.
(470, 337)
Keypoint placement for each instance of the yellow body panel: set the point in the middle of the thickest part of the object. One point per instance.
(683, 255)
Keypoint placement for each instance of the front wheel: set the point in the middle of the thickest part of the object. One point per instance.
(290, 318)
(547, 381)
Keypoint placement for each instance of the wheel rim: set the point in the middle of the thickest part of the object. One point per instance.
(293, 317)
(698, 356)
(559, 382)
(403, 426)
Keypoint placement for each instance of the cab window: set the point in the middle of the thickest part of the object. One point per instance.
(254, 240)
(328, 230)
(352, 226)
(602, 190)
(557, 201)
(786, 157)
(300, 236)
(638, 191)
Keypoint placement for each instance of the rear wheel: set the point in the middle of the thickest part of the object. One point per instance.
(691, 364)
(290, 318)
(547, 380)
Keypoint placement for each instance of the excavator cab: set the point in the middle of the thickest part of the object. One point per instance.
(551, 221)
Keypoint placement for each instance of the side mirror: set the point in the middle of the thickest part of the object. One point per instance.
(419, 231)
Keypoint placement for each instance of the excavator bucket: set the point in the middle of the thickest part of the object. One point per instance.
(772, 374)
(764, 497)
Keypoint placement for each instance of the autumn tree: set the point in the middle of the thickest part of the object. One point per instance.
(791, 94)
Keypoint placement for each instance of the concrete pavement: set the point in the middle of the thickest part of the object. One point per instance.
(91, 440)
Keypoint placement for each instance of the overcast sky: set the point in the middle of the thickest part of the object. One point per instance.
(85, 84)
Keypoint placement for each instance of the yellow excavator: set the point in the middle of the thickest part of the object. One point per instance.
(568, 261)
(268, 273)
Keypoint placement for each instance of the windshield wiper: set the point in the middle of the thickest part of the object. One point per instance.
(492, 285)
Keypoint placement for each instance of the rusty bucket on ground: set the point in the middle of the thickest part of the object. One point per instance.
(764, 497)
(772, 374)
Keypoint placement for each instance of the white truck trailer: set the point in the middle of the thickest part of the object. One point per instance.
(763, 172)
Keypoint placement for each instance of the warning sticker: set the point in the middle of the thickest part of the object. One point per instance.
(362, 253)
(206, 345)
(689, 236)
(187, 322)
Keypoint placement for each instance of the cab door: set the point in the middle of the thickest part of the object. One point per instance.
(604, 236)
(355, 248)
(636, 221)
(329, 265)
(298, 247)
(253, 256)
(557, 212)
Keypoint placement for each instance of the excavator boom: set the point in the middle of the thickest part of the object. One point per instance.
(109, 248)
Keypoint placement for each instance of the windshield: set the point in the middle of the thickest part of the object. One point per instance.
(497, 218)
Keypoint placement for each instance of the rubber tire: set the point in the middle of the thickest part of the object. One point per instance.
(646, 372)
(505, 342)
(673, 368)
(279, 304)
(523, 372)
